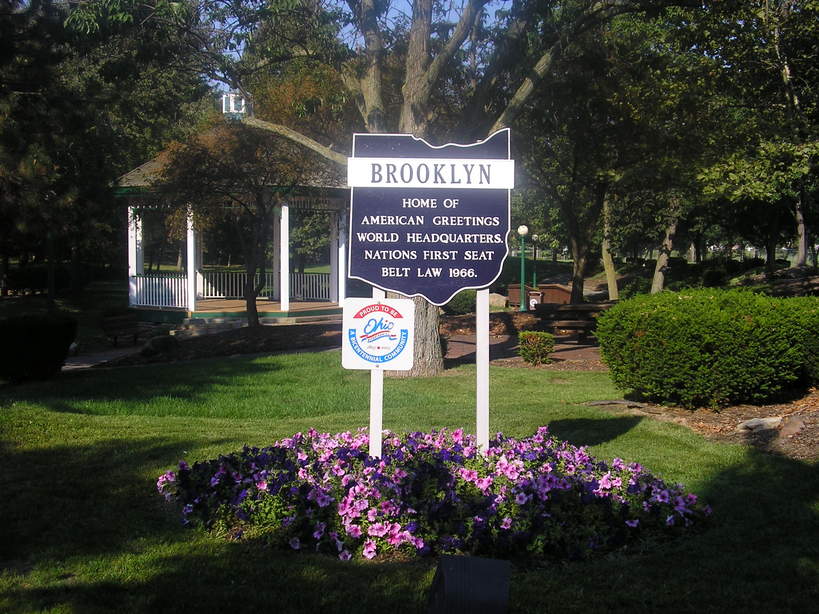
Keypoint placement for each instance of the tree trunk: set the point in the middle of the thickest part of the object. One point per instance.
(250, 291)
(770, 255)
(76, 271)
(51, 271)
(579, 259)
(801, 231)
(658, 282)
(608, 261)
(4, 275)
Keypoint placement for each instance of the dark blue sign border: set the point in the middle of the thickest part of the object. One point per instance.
(441, 240)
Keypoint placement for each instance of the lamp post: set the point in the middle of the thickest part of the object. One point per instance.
(523, 231)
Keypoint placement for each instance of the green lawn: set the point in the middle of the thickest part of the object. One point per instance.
(83, 530)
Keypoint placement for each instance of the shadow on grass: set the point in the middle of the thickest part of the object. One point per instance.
(591, 432)
(190, 382)
(85, 530)
(758, 554)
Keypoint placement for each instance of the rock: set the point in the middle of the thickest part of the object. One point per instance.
(162, 345)
(497, 300)
(791, 426)
(760, 424)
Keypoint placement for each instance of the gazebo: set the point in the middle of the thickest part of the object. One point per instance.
(208, 294)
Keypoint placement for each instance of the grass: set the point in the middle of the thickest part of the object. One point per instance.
(84, 531)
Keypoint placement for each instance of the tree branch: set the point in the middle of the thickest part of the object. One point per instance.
(298, 137)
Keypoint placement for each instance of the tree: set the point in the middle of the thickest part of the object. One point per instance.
(445, 72)
(769, 65)
(76, 112)
(237, 175)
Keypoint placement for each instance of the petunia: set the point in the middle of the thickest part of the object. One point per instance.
(295, 543)
(369, 549)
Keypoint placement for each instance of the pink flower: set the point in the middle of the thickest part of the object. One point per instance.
(369, 549)
(261, 485)
(354, 531)
(379, 529)
(483, 483)
(506, 523)
(344, 555)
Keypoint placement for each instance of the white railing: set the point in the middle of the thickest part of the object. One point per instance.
(160, 290)
(231, 285)
(170, 289)
(310, 286)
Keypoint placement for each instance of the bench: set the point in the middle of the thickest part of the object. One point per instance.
(121, 325)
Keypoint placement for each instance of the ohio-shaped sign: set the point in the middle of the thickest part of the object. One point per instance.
(429, 221)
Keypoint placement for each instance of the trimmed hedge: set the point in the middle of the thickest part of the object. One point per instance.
(535, 346)
(35, 346)
(461, 304)
(711, 347)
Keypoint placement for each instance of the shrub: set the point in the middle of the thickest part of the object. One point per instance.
(35, 346)
(534, 346)
(706, 347)
(430, 493)
(461, 304)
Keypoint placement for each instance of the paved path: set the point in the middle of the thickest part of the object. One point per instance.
(462, 347)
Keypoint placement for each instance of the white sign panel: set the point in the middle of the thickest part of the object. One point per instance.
(462, 174)
(378, 334)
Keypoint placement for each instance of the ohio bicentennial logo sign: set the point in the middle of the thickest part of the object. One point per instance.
(429, 221)
(378, 334)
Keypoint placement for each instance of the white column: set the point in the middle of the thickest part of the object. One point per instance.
(276, 264)
(482, 368)
(132, 256)
(334, 272)
(342, 256)
(136, 261)
(284, 258)
(191, 260)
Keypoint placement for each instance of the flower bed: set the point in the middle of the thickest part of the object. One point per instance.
(430, 493)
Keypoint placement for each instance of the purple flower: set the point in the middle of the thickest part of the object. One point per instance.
(633, 523)
(506, 523)
(344, 555)
(295, 543)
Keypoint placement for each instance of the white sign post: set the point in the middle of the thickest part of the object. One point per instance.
(377, 334)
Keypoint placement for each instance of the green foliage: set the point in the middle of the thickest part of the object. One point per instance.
(462, 303)
(35, 346)
(709, 347)
(535, 346)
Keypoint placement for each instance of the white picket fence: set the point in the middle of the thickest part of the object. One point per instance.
(170, 289)
(160, 290)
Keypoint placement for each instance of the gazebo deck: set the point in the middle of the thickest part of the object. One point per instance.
(227, 308)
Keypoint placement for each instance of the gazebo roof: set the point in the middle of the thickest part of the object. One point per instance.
(323, 189)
